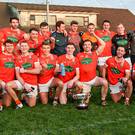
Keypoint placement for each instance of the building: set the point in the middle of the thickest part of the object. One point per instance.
(33, 14)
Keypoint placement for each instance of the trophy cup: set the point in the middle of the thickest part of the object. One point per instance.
(80, 100)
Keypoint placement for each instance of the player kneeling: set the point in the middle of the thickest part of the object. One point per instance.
(69, 67)
(7, 71)
(27, 68)
(118, 71)
(46, 78)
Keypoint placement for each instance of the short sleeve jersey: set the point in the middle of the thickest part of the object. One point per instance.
(70, 67)
(61, 42)
(107, 38)
(48, 73)
(27, 62)
(116, 70)
(88, 64)
(7, 67)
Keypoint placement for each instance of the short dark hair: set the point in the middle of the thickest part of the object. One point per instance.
(90, 24)
(8, 41)
(87, 40)
(106, 21)
(33, 29)
(73, 22)
(58, 23)
(121, 46)
(71, 44)
(23, 41)
(43, 24)
(13, 18)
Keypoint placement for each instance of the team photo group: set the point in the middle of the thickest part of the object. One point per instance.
(34, 62)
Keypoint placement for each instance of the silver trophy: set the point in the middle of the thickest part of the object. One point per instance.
(81, 101)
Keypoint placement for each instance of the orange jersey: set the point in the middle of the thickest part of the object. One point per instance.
(107, 38)
(10, 34)
(14, 35)
(116, 70)
(93, 39)
(27, 62)
(87, 36)
(42, 37)
(48, 73)
(34, 46)
(70, 67)
(7, 67)
(88, 64)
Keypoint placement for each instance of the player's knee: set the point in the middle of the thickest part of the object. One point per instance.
(129, 83)
(105, 83)
(31, 104)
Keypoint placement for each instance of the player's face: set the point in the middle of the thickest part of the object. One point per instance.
(87, 46)
(120, 52)
(91, 28)
(106, 26)
(44, 29)
(9, 47)
(34, 34)
(74, 27)
(14, 23)
(24, 47)
(61, 28)
(120, 29)
(46, 49)
(70, 49)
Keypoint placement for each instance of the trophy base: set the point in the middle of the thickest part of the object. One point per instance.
(82, 106)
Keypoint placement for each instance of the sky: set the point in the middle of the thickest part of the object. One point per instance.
(126, 4)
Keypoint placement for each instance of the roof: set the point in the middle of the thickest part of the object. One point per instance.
(114, 15)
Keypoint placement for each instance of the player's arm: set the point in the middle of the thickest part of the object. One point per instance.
(18, 77)
(35, 70)
(104, 70)
(77, 76)
(127, 76)
(102, 45)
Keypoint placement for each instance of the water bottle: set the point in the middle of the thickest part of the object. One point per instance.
(62, 69)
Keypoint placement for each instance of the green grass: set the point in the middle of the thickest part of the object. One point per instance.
(114, 119)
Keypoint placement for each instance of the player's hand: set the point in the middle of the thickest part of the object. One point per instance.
(27, 87)
(22, 70)
(52, 39)
(26, 36)
(124, 79)
(70, 84)
(65, 33)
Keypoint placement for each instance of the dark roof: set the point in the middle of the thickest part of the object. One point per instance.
(114, 15)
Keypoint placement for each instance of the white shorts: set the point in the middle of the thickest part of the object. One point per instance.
(45, 87)
(129, 62)
(20, 87)
(102, 60)
(114, 89)
(86, 86)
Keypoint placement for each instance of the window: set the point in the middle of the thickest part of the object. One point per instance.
(37, 19)
(80, 19)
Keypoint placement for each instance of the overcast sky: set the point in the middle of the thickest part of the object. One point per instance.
(128, 4)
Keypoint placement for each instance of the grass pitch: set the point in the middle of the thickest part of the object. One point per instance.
(114, 119)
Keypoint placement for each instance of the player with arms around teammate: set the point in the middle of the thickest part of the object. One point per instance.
(118, 71)
(27, 68)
